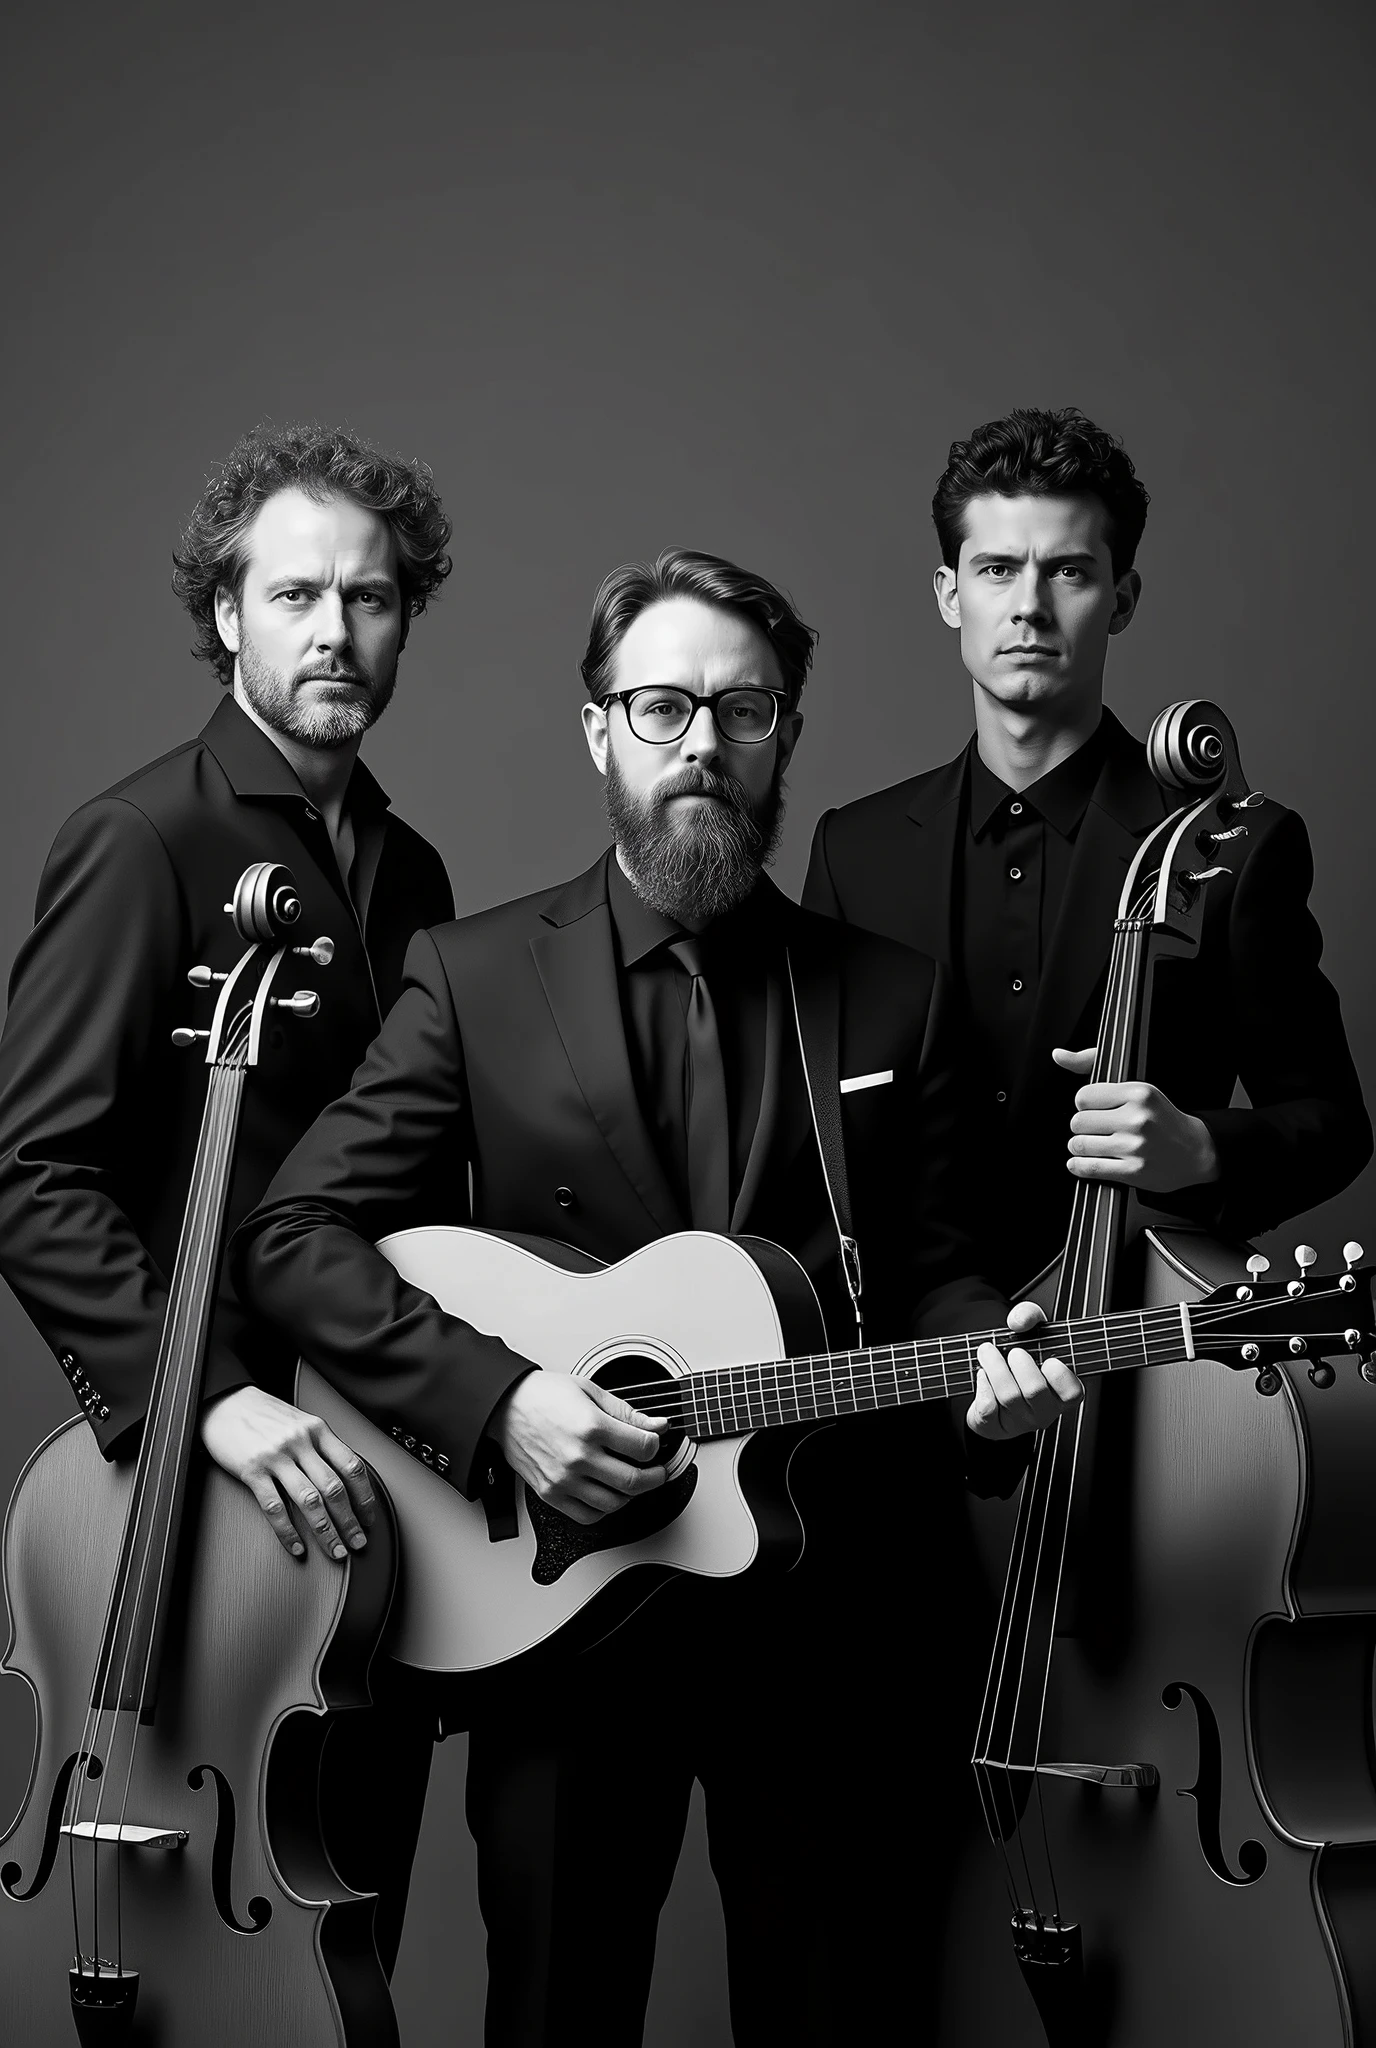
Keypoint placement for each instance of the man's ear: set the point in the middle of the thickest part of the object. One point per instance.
(227, 617)
(1126, 591)
(405, 627)
(790, 727)
(595, 733)
(947, 600)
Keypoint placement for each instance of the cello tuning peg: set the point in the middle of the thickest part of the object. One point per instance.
(228, 909)
(322, 952)
(1352, 1251)
(1258, 1264)
(304, 1003)
(184, 1035)
(202, 977)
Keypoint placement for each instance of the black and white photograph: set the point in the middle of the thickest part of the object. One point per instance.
(688, 1354)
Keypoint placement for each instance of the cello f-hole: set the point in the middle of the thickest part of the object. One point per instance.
(1207, 1791)
(222, 1856)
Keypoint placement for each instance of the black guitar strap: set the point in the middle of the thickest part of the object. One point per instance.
(821, 1076)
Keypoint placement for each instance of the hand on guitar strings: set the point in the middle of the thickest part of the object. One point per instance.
(582, 1449)
(1128, 1131)
(1014, 1394)
(288, 1459)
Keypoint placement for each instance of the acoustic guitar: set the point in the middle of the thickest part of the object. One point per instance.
(724, 1336)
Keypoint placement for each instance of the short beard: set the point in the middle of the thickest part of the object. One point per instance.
(696, 866)
(275, 698)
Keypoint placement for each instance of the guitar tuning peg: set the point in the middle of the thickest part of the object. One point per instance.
(1305, 1257)
(1352, 1251)
(1257, 1265)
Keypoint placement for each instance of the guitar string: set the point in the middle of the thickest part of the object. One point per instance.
(92, 1720)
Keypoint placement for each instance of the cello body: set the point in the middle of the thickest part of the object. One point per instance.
(1218, 1625)
(1175, 1754)
(244, 1931)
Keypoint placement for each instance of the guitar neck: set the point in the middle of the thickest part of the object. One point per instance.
(730, 1400)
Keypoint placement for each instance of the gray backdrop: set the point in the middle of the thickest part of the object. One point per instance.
(732, 277)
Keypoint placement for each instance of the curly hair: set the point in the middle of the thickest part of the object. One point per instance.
(325, 462)
(679, 572)
(1035, 453)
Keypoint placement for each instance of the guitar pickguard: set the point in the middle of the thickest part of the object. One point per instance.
(560, 1542)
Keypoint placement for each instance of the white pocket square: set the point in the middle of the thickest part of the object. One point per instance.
(866, 1081)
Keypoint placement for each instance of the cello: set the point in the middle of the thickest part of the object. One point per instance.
(165, 1881)
(1174, 1755)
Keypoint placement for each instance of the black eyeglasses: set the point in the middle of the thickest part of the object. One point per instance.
(662, 716)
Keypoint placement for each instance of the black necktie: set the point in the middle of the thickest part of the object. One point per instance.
(709, 1136)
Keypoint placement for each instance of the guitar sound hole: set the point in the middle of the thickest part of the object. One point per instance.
(630, 1375)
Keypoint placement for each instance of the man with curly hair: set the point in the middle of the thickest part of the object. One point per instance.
(302, 567)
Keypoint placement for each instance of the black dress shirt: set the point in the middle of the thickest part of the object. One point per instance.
(740, 952)
(1012, 864)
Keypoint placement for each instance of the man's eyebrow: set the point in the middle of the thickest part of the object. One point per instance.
(1052, 561)
(291, 583)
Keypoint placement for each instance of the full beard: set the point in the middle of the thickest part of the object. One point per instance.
(276, 699)
(697, 864)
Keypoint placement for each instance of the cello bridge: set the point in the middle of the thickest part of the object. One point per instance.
(125, 1831)
(1136, 1777)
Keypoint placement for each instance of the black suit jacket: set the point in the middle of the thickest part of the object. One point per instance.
(504, 1067)
(1252, 1005)
(99, 1113)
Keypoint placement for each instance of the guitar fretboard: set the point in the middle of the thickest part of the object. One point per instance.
(729, 1400)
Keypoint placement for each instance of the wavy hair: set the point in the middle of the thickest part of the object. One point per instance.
(1041, 454)
(680, 572)
(325, 462)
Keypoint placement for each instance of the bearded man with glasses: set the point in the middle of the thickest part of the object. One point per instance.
(609, 1062)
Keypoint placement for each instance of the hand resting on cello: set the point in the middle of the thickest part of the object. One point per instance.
(282, 1455)
(1129, 1132)
(1015, 1394)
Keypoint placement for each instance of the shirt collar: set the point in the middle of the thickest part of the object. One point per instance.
(1061, 796)
(641, 930)
(256, 768)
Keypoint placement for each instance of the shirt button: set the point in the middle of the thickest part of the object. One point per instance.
(1017, 986)
(564, 1197)
(1001, 1095)
(1015, 810)
(1015, 874)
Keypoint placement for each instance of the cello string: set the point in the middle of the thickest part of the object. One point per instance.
(192, 1322)
(88, 1749)
(201, 1205)
(1043, 1481)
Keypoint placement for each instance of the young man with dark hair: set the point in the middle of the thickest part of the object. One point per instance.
(1006, 865)
(302, 566)
(605, 1063)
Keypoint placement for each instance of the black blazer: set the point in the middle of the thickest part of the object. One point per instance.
(1252, 1005)
(504, 1064)
(99, 1113)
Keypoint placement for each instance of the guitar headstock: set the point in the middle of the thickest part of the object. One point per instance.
(1193, 753)
(264, 909)
(1263, 1324)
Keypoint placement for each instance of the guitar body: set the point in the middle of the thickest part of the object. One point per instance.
(244, 1931)
(476, 1592)
(1216, 1624)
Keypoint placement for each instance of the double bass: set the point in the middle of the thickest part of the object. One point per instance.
(1175, 1752)
(166, 1882)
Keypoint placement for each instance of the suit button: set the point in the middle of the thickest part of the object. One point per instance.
(564, 1197)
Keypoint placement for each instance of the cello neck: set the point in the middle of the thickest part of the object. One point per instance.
(126, 1671)
(1095, 1233)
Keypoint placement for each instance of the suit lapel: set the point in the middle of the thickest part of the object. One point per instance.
(1126, 803)
(576, 962)
(934, 808)
(785, 1124)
